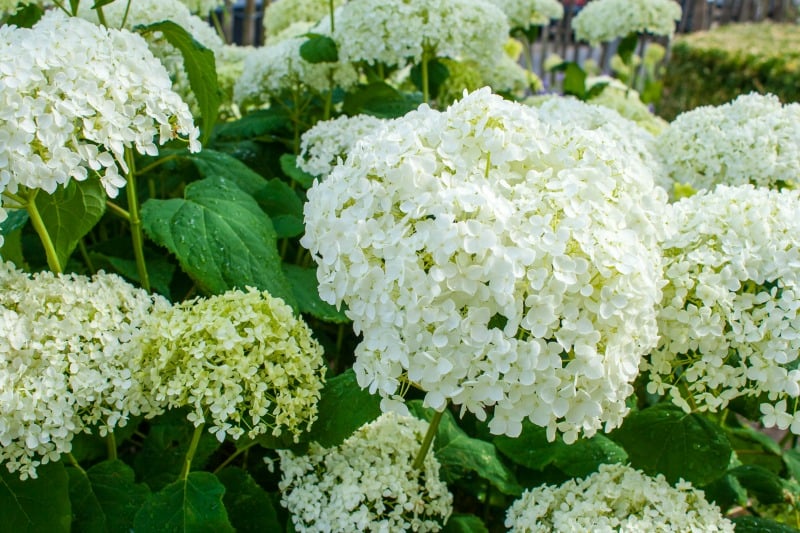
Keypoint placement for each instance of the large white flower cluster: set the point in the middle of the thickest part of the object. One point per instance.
(399, 32)
(67, 347)
(274, 69)
(493, 260)
(729, 321)
(627, 102)
(367, 483)
(753, 139)
(74, 96)
(606, 20)
(240, 359)
(623, 134)
(278, 16)
(617, 498)
(202, 7)
(329, 141)
(526, 13)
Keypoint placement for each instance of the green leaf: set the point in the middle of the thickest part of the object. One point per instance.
(290, 168)
(87, 515)
(380, 100)
(40, 504)
(595, 90)
(767, 486)
(160, 460)
(726, 492)
(101, 3)
(459, 454)
(16, 219)
(304, 285)
(73, 5)
(200, 66)
(319, 49)
(159, 269)
(213, 164)
(12, 249)
(754, 524)
(531, 449)
(249, 507)
(25, 16)
(465, 523)
(287, 226)
(119, 496)
(663, 439)
(221, 237)
(791, 458)
(627, 46)
(259, 123)
(70, 213)
(574, 81)
(343, 408)
(193, 505)
(277, 198)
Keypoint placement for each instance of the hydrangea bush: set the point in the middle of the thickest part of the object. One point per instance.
(436, 298)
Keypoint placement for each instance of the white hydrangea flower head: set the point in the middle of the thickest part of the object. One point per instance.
(627, 102)
(638, 143)
(729, 319)
(367, 483)
(67, 344)
(606, 20)
(277, 68)
(616, 498)
(753, 139)
(493, 260)
(202, 7)
(328, 141)
(398, 32)
(74, 96)
(278, 16)
(526, 13)
(240, 360)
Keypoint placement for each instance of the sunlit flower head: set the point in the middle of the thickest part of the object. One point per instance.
(617, 498)
(278, 16)
(606, 20)
(526, 13)
(367, 483)
(493, 260)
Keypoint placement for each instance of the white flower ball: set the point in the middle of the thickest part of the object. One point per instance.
(606, 20)
(493, 261)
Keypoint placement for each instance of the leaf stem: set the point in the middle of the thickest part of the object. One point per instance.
(74, 462)
(425, 90)
(426, 442)
(111, 446)
(136, 221)
(233, 456)
(157, 163)
(187, 462)
(41, 230)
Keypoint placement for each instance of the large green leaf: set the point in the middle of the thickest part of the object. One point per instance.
(200, 66)
(221, 237)
(160, 460)
(304, 285)
(70, 213)
(249, 507)
(193, 505)
(319, 49)
(767, 486)
(213, 164)
(343, 408)
(663, 439)
(465, 523)
(35, 505)
(459, 454)
(755, 524)
(117, 493)
(87, 515)
(290, 168)
(259, 123)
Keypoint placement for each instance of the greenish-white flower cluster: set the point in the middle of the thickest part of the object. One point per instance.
(493, 260)
(274, 69)
(278, 16)
(201, 7)
(400, 32)
(74, 97)
(367, 483)
(617, 498)
(526, 13)
(753, 139)
(240, 361)
(606, 20)
(329, 141)
(627, 102)
(68, 346)
(729, 322)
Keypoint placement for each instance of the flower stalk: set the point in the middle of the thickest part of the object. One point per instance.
(419, 460)
(136, 221)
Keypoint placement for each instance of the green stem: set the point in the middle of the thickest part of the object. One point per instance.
(233, 456)
(187, 462)
(111, 446)
(85, 255)
(425, 90)
(117, 210)
(74, 462)
(528, 53)
(330, 8)
(426, 442)
(101, 16)
(125, 15)
(136, 221)
(156, 163)
(41, 230)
